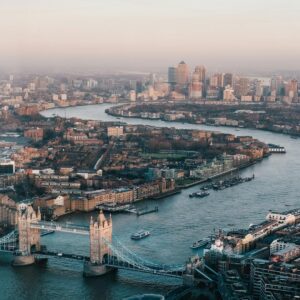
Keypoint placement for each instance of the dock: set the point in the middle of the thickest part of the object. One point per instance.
(142, 211)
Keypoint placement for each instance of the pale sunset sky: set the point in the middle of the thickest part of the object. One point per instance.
(149, 35)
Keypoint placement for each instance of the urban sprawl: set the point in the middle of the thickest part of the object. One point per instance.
(62, 165)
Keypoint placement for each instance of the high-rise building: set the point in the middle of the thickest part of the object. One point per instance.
(258, 88)
(228, 94)
(216, 80)
(172, 75)
(132, 96)
(182, 74)
(200, 70)
(277, 85)
(242, 87)
(152, 78)
(195, 88)
(227, 79)
(292, 89)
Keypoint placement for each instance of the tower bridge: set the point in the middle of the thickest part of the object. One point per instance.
(106, 252)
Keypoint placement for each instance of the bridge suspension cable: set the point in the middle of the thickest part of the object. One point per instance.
(122, 257)
(9, 242)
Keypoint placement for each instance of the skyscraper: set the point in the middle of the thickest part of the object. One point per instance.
(195, 88)
(172, 75)
(292, 90)
(216, 80)
(200, 70)
(227, 79)
(242, 86)
(182, 74)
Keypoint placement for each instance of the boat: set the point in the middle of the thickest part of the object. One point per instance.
(140, 235)
(46, 232)
(199, 194)
(199, 244)
(204, 188)
(276, 148)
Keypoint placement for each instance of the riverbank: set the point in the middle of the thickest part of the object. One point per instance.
(237, 169)
(276, 128)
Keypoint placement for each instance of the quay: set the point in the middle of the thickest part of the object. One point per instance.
(147, 211)
(200, 181)
(142, 211)
(166, 194)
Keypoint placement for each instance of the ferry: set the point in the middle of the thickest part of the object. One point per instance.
(199, 244)
(140, 235)
(199, 194)
(276, 148)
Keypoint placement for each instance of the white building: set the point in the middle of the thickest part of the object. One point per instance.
(132, 96)
(115, 131)
(228, 94)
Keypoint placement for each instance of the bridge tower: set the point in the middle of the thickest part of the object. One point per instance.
(29, 238)
(100, 234)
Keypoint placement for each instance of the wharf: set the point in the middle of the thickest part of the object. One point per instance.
(200, 181)
(142, 211)
(166, 194)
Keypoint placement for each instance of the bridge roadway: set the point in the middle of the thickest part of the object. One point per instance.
(61, 255)
(67, 228)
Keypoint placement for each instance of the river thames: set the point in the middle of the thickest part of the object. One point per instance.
(179, 222)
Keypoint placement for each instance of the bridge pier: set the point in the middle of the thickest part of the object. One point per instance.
(28, 237)
(94, 270)
(23, 260)
(100, 231)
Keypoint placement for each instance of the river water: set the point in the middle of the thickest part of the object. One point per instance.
(179, 222)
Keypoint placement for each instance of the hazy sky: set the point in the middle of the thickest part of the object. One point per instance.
(149, 34)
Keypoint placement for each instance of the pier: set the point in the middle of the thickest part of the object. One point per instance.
(142, 211)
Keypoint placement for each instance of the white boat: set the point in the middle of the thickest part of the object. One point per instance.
(140, 235)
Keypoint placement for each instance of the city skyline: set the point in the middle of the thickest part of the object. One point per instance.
(148, 35)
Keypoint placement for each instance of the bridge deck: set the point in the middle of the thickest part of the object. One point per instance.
(62, 255)
(67, 228)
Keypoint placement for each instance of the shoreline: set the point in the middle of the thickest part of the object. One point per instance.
(108, 112)
(200, 181)
(292, 135)
(178, 189)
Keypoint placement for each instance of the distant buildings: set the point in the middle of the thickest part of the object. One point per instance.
(274, 281)
(182, 74)
(172, 76)
(7, 167)
(115, 131)
(36, 134)
(227, 87)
